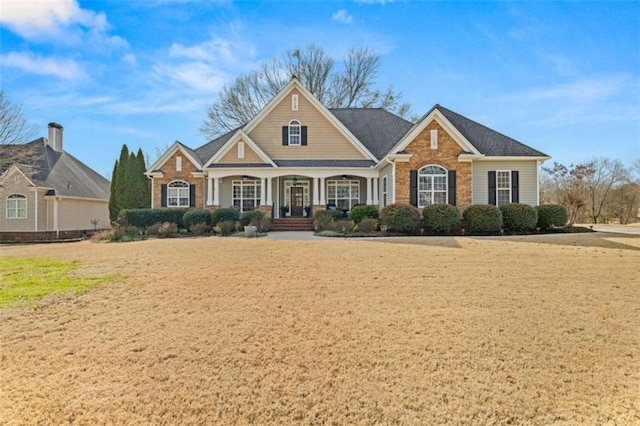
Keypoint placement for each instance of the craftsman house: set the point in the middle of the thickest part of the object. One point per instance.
(46, 193)
(296, 157)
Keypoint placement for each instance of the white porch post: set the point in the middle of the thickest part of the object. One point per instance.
(375, 191)
(323, 200)
(316, 195)
(269, 191)
(216, 191)
(369, 199)
(263, 191)
(210, 191)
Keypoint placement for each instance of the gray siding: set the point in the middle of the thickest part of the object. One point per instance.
(388, 172)
(528, 179)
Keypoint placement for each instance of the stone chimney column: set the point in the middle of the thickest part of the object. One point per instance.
(55, 136)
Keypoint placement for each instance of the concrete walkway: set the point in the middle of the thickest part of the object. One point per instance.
(294, 235)
(614, 229)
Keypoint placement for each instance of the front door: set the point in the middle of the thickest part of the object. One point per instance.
(297, 200)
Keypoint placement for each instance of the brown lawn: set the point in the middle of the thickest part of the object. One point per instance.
(521, 330)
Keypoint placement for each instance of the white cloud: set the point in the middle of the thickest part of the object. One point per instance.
(195, 75)
(57, 20)
(130, 59)
(66, 69)
(342, 16)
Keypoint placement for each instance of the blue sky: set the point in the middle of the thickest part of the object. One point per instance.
(563, 77)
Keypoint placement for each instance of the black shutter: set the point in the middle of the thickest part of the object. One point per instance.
(304, 135)
(515, 192)
(413, 187)
(452, 187)
(163, 195)
(192, 195)
(492, 188)
(285, 135)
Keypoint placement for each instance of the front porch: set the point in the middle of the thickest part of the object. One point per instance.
(292, 195)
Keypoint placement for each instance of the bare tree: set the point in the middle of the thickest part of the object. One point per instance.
(569, 188)
(600, 177)
(351, 86)
(14, 127)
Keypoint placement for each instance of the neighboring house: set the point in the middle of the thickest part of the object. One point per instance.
(296, 153)
(44, 191)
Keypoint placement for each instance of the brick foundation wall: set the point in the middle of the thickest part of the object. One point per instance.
(40, 236)
(446, 156)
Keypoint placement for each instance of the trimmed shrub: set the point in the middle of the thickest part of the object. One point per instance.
(324, 219)
(199, 228)
(264, 224)
(343, 226)
(402, 218)
(143, 218)
(552, 215)
(440, 217)
(252, 217)
(519, 217)
(195, 216)
(225, 228)
(168, 229)
(228, 214)
(483, 218)
(363, 212)
(367, 225)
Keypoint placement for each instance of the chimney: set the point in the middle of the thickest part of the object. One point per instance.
(55, 136)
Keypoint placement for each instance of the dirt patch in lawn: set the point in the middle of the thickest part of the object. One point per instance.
(415, 331)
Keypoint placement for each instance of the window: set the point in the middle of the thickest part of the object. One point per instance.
(178, 194)
(178, 164)
(294, 102)
(294, 132)
(240, 149)
(343, 193)
(246, 194)
(16, 206)
(432, 186)
(384, 191)
(434, 139)
(503, 186)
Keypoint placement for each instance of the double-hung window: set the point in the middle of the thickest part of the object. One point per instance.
(343, 193)
(384, 191)
(295, 133)
(16, 206)
(246, 194)
(503, 186)
(432, 185)
(178, 194)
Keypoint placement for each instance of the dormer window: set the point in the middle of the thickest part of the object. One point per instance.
(294, 102)
(294, 132)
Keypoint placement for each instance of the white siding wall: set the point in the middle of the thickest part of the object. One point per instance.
(528, 179)
(77, 214)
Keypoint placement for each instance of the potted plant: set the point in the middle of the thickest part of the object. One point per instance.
(284, 210)
(307, 210)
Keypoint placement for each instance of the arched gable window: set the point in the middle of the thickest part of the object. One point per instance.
(178, 194)
(295, 133)
(432, 185)
(16, 206)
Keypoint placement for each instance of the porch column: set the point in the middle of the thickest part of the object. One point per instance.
(263, 191)
(216, 191)
(369, 199)
(269, 191)
(210, 191)
(323, 200)
(316, 195)
(375, 191)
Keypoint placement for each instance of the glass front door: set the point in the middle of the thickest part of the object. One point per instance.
(297, 200)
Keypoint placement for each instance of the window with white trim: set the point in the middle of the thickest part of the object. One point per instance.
(178, 194)
(240, 149)
(294, 102)
(432, 185)
(16, 206)
(178, 164)
(295, 133)
(343, 193)
(246, 194)
(384, 191)
(503, 186)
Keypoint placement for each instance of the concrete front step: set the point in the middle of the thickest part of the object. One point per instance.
(293, 224)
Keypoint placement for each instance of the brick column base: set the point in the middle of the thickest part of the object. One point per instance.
(266, 209)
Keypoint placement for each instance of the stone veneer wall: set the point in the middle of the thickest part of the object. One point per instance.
(446, 156)
(170, 174)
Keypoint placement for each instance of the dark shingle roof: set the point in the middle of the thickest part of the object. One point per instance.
(208, 150)
(61, 171)
(486, 140)
(375, 128)
(325, 163)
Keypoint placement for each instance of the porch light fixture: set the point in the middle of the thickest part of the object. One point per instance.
(245, 177)
(345, 177)
(295, 181)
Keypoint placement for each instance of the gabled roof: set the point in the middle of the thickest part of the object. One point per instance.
(177, 146)
(489, 142)
(59, 171)
(238, 136)
(208, 150)
(377, 129)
